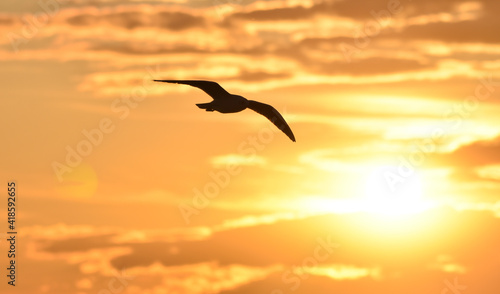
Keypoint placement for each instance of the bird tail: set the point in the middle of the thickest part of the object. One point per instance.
(203, 105)
(206, 106)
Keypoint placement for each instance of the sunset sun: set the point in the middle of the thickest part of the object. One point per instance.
(389, 192)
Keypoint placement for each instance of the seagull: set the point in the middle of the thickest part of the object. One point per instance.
(224, 102)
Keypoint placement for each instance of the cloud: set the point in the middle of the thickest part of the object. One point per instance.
(329, 160)
(228, 261)
(63, 231)
(75, 237)
(230, 246)
(7, 20)
(464, 31)
(175, 21)
(489, 172)
(100, 2)
(475, 163)
(343, 272)
(446, 264)
(310, 10)
(479, 153)
(467, 22)
(299, 47)
(274, 14)
(370, 66)
(236, 159)
(197, 278)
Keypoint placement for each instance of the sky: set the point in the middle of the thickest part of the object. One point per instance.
(122, 185)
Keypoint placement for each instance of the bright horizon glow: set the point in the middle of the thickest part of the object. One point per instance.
(385, 193)
(389, 192)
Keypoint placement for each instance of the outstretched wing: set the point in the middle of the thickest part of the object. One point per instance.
(273, 115)
(211, 88)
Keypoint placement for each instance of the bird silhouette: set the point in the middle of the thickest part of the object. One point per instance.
(225, 102)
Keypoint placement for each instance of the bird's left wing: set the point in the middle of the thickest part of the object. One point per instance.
(211, 88)
(273, 115)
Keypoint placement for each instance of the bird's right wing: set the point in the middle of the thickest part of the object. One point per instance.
(273, 115)
(211, 88)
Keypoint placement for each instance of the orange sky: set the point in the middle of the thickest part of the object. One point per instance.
(125, 186)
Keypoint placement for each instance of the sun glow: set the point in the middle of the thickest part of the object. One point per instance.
(388, 191)
(384, 190)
